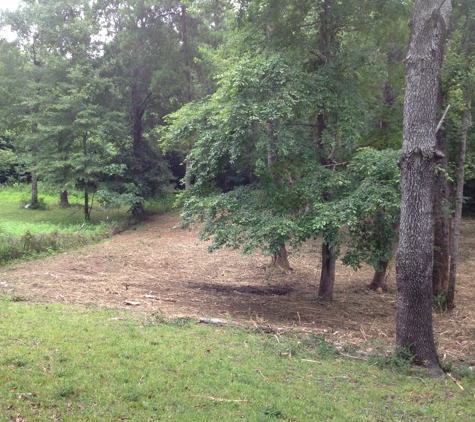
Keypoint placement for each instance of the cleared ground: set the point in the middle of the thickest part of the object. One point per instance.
(160, 268)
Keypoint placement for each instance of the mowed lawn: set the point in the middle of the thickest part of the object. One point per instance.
(68, 363)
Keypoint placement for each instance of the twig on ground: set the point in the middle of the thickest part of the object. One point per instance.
(353, 357)
(454, 380)
(219, 399)
(313, 361)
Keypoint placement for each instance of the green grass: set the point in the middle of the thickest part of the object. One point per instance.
(83, 364)
(13, 212)
(29, 233)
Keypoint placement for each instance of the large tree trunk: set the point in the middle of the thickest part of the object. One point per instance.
(458, 212)
(440, 269)
(414, 332)
(327, 276)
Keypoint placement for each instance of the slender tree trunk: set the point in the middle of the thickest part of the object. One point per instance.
(440, 269)
(63, 197)
(379, 278)
(414, 332)
(139, 107)
(458, 212)
(187, 170)
(279, 259)
(34, 189)
(87, 214)
(34, 176)
(327, 275)
(186, 61)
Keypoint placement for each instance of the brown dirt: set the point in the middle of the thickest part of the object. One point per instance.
(165, 269)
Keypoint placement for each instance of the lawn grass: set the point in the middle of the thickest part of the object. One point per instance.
(68, 363)
(13, 213)
(29, 233)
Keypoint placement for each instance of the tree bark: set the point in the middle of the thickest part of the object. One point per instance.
(34, 189)
(63, 197)
(87, 213)
(440, 272)
(450, 304)
(327, 275)
(379, 278)
(414, 332)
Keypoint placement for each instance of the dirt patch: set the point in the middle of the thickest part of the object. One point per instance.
(163, 269)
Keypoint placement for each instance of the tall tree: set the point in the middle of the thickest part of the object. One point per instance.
(423, 62)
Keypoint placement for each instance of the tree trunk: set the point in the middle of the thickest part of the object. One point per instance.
(458, 212)
(414, 332)
(279, 259)
(379, 278)
(327, 275)
(187, 170)
(87, 214)
(63, 197)
(440, 268)
(34, 190)
(34, 176)
(186, 62)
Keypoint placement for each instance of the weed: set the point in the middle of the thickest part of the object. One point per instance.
(157, 319)
(401, 360)
(272, 412)
(65, 392)
(17, 361)
(439, 302)
(323, 348)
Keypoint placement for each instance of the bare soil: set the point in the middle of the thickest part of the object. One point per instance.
(161, 268)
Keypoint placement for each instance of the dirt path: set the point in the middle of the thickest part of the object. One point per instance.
(169, 272)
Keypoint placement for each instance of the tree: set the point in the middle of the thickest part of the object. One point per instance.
(369, 208)
(287, 112)
(423, 62)
(459, 78)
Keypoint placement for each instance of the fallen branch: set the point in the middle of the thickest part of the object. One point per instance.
(353, 357)
(219, 399)
(313, 361)
(217, 321)
(442, 119)
(454, 380)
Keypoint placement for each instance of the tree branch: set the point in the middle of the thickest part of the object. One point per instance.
(442, 119)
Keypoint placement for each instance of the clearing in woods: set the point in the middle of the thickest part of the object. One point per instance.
(160, 268)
